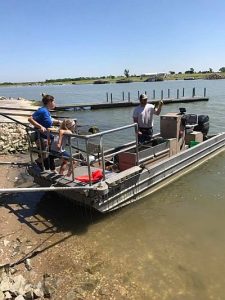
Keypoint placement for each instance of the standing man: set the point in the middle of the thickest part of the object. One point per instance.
(143, 116)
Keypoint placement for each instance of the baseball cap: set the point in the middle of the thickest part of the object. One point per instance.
(143, 97)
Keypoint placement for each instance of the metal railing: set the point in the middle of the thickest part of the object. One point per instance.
(102, 155)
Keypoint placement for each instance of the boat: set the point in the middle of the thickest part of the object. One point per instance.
(129, 171)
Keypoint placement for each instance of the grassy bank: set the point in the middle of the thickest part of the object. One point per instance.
(116, 79)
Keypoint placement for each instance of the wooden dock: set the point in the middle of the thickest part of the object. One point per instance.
(94, 106)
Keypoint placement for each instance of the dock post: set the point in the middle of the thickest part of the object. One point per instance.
(204, 92)
(123, 96)
(153, 94)
(161, 94)
(193, 92)
(107, 97)
(111, 97)
(138, 95)
(128, 96)
(168, 93)
(183, 92)
(177, 93)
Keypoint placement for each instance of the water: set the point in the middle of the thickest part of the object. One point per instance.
(171, 243)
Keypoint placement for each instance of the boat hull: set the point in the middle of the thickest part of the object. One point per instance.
(135, 183)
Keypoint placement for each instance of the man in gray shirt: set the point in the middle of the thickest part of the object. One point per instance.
(143, 116)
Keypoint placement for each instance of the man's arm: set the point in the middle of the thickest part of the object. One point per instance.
(135, 120)
(157, 110)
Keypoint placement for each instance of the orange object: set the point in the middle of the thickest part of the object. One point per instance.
(95, 176)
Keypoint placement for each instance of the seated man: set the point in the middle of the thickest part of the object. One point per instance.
(143, 116)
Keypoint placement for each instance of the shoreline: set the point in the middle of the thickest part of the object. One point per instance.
(43, 235)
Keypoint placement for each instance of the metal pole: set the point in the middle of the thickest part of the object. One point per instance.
(71, 158)
(136, 137)
(128, 96)
(102, 154)
(204, 92)
(193, 92)
(111, 97)
(153, 94)
(138, 95)
(161, 94)
(45, 189)
(88, 163)
(183, 92)
(168, 93)
(107, 97)
(123, 96)
(177, 93)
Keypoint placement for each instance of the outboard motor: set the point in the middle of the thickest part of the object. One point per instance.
(203, 125)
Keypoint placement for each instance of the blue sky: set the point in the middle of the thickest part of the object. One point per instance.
(47, 39)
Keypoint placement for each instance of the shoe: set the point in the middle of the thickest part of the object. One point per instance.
(39, 165)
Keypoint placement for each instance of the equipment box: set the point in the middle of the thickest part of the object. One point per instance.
(195, 136)
(170, 125)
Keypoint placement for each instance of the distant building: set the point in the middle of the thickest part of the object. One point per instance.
(154, 76)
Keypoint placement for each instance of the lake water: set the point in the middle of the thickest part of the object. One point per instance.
(171, 243)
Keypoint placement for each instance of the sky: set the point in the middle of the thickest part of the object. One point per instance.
(49, 39)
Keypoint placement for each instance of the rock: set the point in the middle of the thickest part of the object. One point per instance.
(6, 242)
(8, 296)
(20, 297)
(2, 296)
(5, 284)
(28, 264)
(19, 285)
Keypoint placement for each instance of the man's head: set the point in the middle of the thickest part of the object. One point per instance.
(143, 99)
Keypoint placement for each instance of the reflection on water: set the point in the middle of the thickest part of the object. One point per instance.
(172, 243)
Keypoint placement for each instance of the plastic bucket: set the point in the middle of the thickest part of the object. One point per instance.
(193, 143)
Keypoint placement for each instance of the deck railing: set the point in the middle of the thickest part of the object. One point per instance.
(103, 154)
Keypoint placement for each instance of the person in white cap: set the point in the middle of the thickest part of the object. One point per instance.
(143, 116)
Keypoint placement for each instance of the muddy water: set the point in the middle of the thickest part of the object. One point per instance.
(172, 243)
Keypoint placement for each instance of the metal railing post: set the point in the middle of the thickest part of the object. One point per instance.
(71, 158)
(177, 93)
(136, 137)
(204, 92)
(103, 157)
(183, 92)
(88, 163)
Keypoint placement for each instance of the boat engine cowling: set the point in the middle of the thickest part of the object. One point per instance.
(203, 124)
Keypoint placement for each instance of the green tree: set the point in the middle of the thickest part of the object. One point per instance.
(210, 70)
(126, 73)
(192, 70)
(222, 69)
